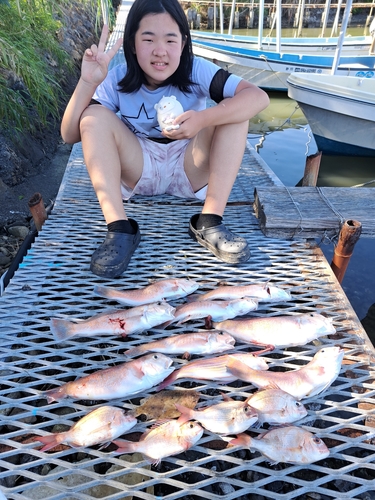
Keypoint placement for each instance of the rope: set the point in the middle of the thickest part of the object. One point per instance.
(299, 226)
(329, 204)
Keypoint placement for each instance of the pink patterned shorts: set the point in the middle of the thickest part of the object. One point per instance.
(163, 171)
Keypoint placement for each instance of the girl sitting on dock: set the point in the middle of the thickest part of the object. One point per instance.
(130, 154)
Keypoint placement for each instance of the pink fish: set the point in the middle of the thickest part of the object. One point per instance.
(160, 290)
(118, 381)
(116, 322)
(291, 444)
(163, 440)
(214, 369)
(261, 293)
(191, 343)
(101, 426)
(217, 310)
(307, 381)
(298, 329)
(227, 417)
(275, 406)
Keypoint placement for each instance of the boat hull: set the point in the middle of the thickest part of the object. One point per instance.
(340, 112)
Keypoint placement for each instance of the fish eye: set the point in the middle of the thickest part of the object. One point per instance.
(298, 404)
(191, 425)
(317, 440)
(155, 356)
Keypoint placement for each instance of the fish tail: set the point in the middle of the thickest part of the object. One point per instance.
(55, 394)
(61, 328)
(125, 446)
(186, 413)
(51, 440)
(243, 440)
(135, 351)
(167, 381)
(102, 291)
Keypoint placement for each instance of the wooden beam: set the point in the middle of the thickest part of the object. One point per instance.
(313, 212)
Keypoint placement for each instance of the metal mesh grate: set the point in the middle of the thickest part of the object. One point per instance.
(54, 281)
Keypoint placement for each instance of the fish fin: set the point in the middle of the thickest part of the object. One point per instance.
(135, 351)
(104, 445)
(124, 446)
(51, 440)
(102, 291)
(55, 394)
(193, 297)
(61, 329)
(168, 380)
(226, 397)
(186, 413)
(241, 440)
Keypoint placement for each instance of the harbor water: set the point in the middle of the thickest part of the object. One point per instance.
(283, 138)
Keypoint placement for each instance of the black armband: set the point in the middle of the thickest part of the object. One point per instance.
(217, 85)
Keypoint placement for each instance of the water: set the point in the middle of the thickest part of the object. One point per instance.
(286, 140)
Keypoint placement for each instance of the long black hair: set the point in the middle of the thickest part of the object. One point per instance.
(135, 77)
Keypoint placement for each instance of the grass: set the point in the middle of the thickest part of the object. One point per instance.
(32, 63)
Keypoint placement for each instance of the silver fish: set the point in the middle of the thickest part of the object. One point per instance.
(191, 343)
(160, 290)
(291, 444)
(218, 310)
(275, 406)
(165, 440)
(227, 417)
(214, 368)
(260, 292)
(118, 381)
(116, 322)
(298, 329)
(308, 381)
(100, 426)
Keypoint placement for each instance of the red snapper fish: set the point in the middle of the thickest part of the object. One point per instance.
(116, 322)
(291, 444)
(100, 426)
(275, 406)
(118, 381)
(214, 368)
(160, 290)
(259, 292)
(190, 343)
(227, 417)
(298, 329)
(163, 440)
(217, 310)
(308, 381)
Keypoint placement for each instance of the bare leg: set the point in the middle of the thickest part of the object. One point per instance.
(111, 153)
(214, 157)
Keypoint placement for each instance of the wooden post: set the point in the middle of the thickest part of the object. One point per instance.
(37, 210)
(349, 235)
(310, 177)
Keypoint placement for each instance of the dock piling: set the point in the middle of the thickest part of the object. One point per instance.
(348, 237)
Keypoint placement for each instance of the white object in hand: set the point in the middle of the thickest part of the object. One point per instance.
(168, 108)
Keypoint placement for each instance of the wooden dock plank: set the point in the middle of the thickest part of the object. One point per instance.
(313, 212)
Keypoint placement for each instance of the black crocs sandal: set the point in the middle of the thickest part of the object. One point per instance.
(221, 242)
(112, 257)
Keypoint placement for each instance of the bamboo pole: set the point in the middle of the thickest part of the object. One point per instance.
(37, 210)
(349, 235)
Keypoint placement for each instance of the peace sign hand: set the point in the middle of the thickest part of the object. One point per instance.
(95, 60)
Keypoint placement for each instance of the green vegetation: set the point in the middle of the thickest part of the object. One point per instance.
(32, 63)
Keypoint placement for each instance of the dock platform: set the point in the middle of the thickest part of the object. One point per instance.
(54, 280)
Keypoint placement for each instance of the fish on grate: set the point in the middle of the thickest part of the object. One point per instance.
(163, 440)
(217, 310)
(116, 322)
(100, 426)
(170, 289)
(293, 330)
(226, 417)
(187, 343)
(291, 444)
(275, 406)
(162, 405)
(310, 380)
(260, 292)
(118, 381)
(214, 368)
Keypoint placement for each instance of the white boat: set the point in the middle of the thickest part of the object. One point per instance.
(270, 70)
(352, 45)
(340, 111)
